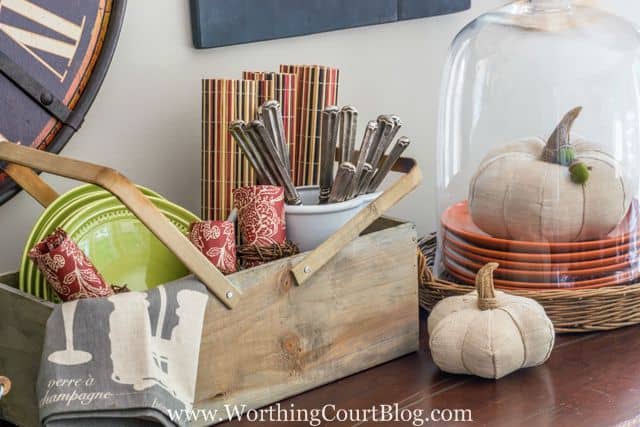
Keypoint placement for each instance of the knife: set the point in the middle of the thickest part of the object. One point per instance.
(342, 184)
(259, 148)
(328, 140)
(363, 184)
(239, 133)
(401, 145)
(348, 128)
(273, 121)
(386, 125)
(260, 135)
(365, 149)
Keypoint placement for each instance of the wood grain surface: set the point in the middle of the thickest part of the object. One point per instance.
(27, 179)
(359, 311)
(22, 324)
(590, 380)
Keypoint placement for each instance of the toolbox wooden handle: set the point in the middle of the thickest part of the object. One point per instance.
(30, 182)
(132, 198)
(315, 260)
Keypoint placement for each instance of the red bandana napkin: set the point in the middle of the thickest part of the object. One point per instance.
(261, 214)
(67, 269)
(217, 241)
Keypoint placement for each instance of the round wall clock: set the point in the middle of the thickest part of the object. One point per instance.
(54, 55)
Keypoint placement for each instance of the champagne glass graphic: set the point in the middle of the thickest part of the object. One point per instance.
(69, 356)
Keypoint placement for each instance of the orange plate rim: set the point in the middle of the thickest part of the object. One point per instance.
(544, 258)
(449, 222)
(467, 277)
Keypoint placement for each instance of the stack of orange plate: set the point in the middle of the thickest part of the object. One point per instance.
(541, 265)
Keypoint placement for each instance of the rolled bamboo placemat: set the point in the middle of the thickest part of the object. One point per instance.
(317, 89)
(281, 87)
(224, 166)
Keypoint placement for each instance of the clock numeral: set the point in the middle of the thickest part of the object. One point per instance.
(32, 42)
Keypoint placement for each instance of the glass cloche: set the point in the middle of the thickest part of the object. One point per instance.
(539, 148)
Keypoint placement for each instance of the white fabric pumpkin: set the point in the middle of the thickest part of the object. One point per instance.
(489, 333)
(523, 191)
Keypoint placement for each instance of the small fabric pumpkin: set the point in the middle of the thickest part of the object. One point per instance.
(556, 191)
(489, 333)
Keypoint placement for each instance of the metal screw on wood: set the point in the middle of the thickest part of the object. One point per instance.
(307, 269)
(229, 295)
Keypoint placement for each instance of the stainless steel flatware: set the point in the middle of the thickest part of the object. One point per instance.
(348, 129)
(261, 137)
(272, 116)
(342, 183)
(365, 149)
(397, 125)
(401, 145)
(386, 125)
(363, 184)
(239, 133)
(260, 149)
(328, 141)
(264, 144)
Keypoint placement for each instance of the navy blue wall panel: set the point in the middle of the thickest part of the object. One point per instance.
(409, 9)
(226, 22)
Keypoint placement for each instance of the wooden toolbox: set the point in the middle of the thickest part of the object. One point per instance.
(270, 332)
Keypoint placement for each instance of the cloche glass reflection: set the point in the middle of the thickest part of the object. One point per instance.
(538, 148)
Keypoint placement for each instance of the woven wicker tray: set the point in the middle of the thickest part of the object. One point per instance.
(570, 310)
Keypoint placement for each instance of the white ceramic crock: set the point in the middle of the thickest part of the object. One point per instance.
(310, 224)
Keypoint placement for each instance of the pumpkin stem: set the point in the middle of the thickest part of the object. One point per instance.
(560, 137)
(484, 286)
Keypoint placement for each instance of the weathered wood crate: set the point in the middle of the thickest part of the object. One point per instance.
(295, 324)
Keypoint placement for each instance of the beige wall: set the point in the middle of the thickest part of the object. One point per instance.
(146, 119)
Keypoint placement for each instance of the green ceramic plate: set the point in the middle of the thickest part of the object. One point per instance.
(35, 283)
(121, 247)
(45, 228)
(54, 214)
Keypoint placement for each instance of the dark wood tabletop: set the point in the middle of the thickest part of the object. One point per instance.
(590, 380)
